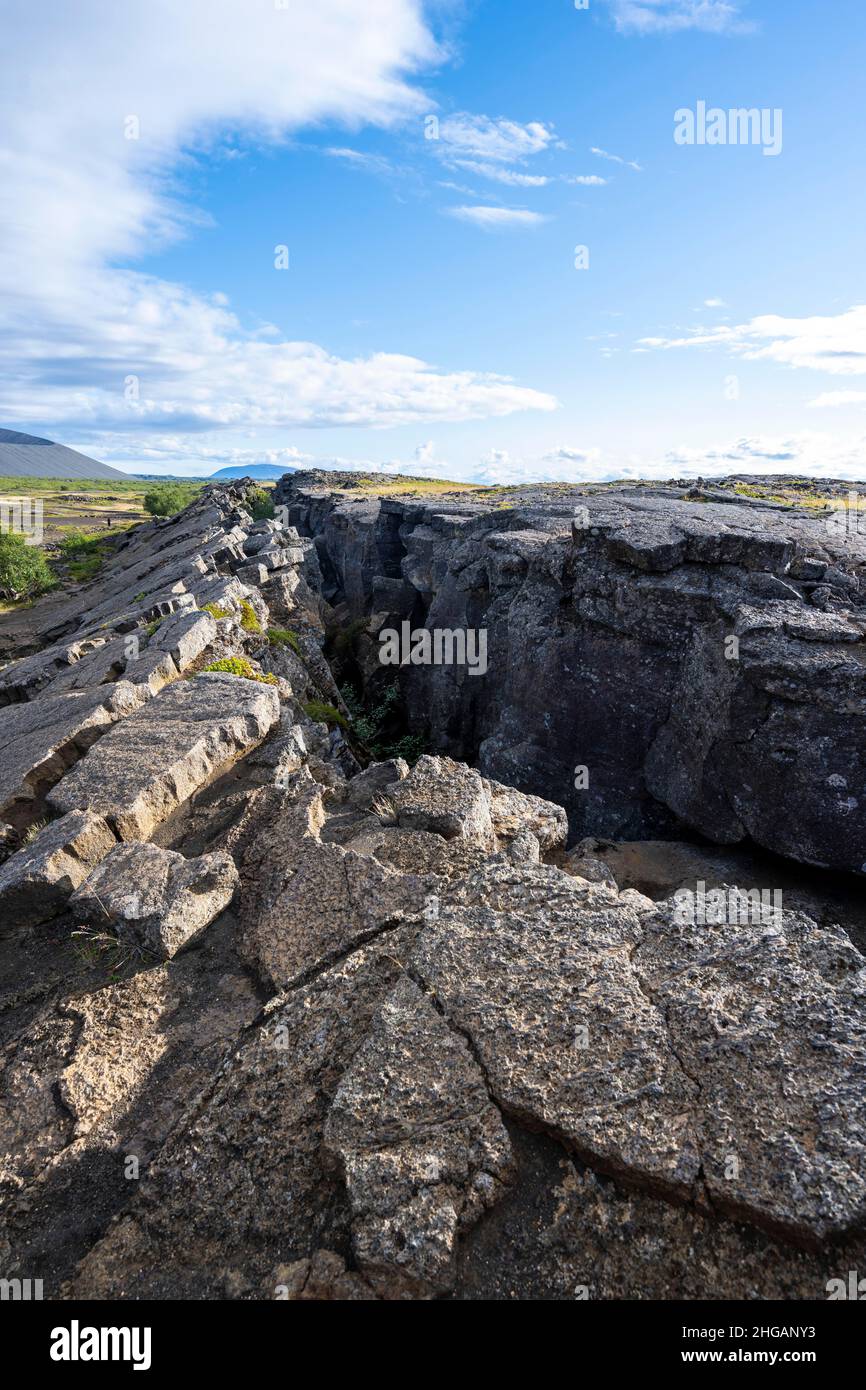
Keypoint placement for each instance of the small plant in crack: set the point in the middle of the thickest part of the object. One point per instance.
(322, 713)
(384, 808)
(249, 621)
(378, 729)
(32, 831)
(284, 637)
(95, 948)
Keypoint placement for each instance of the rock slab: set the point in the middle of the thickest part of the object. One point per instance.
(154, 898)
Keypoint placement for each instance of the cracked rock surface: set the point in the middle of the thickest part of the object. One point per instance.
(154, 898)
(279, 1020)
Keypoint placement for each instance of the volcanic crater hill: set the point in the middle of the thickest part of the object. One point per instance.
(280, 1021)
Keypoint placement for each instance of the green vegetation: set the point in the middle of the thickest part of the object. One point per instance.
(32, 831)
(24, 571)
(370, 727)
(284, 637)
(796, 494)
(260, 504)
(151, 627)
(95, 948)
(87, 502)
(84, 552)
(215, 611)
(165, 499)
(239, 666)
(115, 487)
(395, 486)
(249, 621)
(321, 713)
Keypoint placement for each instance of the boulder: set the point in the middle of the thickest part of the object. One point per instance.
(185, 636)
(154, 898)
(725, 1062)
(185, 736)
(36, 883)
(306, 902)
(446, 798)
(43, 738)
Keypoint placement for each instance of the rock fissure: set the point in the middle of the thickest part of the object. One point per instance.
(435, 960)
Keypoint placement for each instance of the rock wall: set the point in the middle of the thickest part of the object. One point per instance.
(274, 1025)
(609, 621)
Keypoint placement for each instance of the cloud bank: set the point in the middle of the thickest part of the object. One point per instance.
(101, 111)
(834, 343)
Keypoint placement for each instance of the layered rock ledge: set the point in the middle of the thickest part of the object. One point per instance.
(609, 619)
(282, 1020)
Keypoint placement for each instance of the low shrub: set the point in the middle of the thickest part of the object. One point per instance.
(166, 499)
(239, 666)
(84, 552)
(284, 637)
(249, 621)
(321, 713)
(260, 504)
(24, 571)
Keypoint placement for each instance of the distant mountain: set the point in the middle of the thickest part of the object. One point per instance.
(27, 456)
(253, 470)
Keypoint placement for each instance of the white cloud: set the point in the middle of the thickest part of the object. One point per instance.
(515, 179)
(616, 159)
(493, 218)
(502, 175)
(714, 304)
(370, 163)
(825, 343)
(563, 464)
(184, 455)
(467, 136)
(814, 454)
(665, 16)
(190, 366)
(566, 454)
(84, 201)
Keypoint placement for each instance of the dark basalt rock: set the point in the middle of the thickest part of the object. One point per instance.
(380, 1033)
(610, 618)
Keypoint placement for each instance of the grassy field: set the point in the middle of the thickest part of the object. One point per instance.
(80, 521)
(94, 505)
(393, 486)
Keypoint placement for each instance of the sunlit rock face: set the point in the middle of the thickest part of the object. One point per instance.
(286, 1019)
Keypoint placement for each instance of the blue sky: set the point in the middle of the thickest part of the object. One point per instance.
(432, 318)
